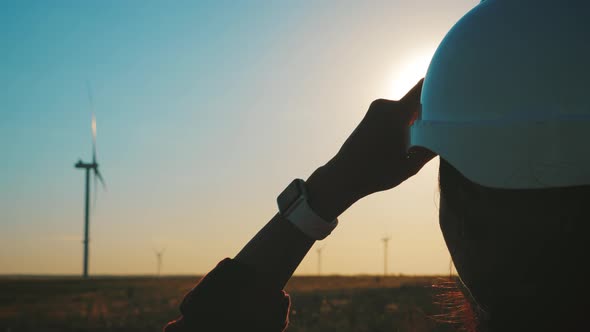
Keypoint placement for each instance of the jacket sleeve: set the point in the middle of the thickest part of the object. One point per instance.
(232, 298)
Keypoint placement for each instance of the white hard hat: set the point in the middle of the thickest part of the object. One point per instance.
(506, 98)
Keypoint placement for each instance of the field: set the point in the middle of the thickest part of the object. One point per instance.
(326, 304)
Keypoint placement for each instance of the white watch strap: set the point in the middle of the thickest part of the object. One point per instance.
(303, 217)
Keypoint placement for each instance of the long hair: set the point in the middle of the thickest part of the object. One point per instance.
(519, 252)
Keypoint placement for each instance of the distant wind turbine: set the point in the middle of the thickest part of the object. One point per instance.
(89, 167)
(385, 247)
(159, 258)
(319, 251)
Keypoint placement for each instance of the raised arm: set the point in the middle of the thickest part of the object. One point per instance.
(374, 158)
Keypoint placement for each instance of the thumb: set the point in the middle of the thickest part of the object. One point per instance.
(410, 103)
(412, 97)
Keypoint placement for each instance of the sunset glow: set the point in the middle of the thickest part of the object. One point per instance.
(407, 70)
(207, 111)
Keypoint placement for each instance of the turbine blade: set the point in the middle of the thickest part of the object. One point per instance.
(93, 125)
(99, 176)
(93, 139)
(95, 192)
(89, 91)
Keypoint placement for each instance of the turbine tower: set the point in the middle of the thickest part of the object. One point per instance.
(319, 251)
(159, 258)
(385, 245)
(89, 168)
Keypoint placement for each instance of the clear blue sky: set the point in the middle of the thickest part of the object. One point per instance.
(205, 111)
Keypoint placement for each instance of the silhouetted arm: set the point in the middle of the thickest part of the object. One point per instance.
(245, 293)
(373, 158)
(278, 248)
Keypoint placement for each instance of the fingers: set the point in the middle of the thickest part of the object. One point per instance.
(410, 103)
(413, 96)
(382, 104)
(411, 99)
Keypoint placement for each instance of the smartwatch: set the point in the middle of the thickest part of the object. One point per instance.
(294, 206)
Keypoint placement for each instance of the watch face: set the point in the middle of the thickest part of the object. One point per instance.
(289, 195)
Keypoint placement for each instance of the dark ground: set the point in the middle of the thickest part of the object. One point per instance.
(326, 304)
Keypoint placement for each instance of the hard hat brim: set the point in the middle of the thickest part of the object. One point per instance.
(516, 155)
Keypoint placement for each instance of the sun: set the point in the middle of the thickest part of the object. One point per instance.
(409, 72)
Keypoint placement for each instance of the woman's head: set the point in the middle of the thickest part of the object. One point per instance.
(520, 252)
(505, 100)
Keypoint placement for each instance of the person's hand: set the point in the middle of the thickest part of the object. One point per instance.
(373, 158)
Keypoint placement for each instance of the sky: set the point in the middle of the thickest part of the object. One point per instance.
(205, 110)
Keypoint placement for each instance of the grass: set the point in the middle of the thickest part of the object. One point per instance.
(331, 303)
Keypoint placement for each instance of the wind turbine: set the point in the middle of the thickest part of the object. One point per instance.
(159, 257)
(89, 167)
(385, 245)
(319, 251)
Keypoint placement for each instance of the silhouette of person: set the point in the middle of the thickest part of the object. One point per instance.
(518, 251)
(245, 293)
